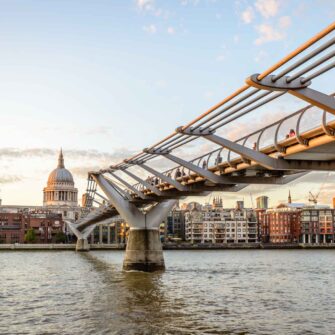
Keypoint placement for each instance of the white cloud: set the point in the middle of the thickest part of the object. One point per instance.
(261, 55)
(208, 95)
(189, 2)
(220, 58)
(267, 8)
(171, 30)
(248, 15)
(145, 4)
(44, 153)
(161, 83)
(151, 29)
(268, 34)
(9, 179)
(284, 22)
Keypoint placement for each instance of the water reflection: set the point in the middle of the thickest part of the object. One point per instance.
(127, 298)
(210, 292)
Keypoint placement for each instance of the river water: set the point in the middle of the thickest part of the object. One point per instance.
(201, 292)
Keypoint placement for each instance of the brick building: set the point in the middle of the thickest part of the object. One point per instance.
(280, 225)
(12, 227)
(46, 225)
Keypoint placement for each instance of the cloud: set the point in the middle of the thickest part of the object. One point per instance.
(9, 179)
(261, 55)
(149, 6)
(209, 95)
(220, 58)
(268, 33)
(247, 15)
(151, 29)
(145, 5)
(189, 2)
(284, 22)
(161, 83)
(17, 153)
(267, 8)
(171, 30)
(82, 171)
(99, 130)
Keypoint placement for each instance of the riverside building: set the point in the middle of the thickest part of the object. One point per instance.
(14, 226)
(262, 202)
(280, 225)
(317, 225)
(220, 225)
(175, 224)
(60, 201)
(296, 222)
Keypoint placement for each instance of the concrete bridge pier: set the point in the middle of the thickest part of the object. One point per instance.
(144, 249)
(82, 235)
(82, 244)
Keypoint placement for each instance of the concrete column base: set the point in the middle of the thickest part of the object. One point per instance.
(144, 251)
(82, 244)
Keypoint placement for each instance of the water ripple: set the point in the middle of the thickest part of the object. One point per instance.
(207, 292)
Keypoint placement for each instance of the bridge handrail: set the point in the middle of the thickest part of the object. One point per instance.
(244, 100)
(276, 144)
(278, 65)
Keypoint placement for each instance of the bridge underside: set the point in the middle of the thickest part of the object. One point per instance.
(144, 204)
(145, 208)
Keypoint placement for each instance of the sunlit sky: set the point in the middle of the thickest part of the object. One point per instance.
(104, 79)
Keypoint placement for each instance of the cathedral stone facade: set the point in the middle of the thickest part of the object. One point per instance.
(60, 190)
(60, 195)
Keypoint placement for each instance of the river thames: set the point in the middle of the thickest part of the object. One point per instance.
(201, 292)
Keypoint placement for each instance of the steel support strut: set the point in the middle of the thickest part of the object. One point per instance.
(297, 87)
(144, 249)
(259, 157)
(167, 179)
(250, 154)
(214, 178)
(143, 182)
(136, 191)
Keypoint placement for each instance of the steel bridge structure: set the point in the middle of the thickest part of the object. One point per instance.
(263, 156)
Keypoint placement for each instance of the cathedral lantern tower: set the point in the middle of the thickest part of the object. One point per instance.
(60, 190)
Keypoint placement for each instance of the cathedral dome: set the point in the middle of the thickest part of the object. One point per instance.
(60, 190)
(60, 175)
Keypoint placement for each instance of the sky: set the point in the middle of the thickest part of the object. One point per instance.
(104, 79)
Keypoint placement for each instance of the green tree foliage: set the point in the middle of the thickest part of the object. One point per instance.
(30, 236)
(60, 237)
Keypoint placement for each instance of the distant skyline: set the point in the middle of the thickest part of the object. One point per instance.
(104, 79)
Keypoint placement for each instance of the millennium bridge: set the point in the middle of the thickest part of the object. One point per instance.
(142, 194)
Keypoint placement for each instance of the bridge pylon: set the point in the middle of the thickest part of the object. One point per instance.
(144, 250)
(82, 241)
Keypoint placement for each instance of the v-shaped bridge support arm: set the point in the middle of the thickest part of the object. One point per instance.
(167, 179)
(260, 158)
(128, 211)
(214, 178)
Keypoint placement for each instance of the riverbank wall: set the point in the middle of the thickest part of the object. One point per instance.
(169, 246)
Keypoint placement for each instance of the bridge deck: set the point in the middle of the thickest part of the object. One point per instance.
(320, 147)
(277, 163)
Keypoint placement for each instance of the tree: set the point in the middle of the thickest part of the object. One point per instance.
(30, 236)
(60, 237)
